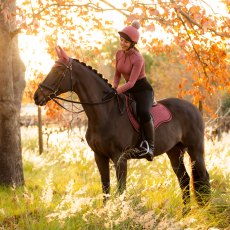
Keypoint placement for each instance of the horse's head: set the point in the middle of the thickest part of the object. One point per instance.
(58, 80)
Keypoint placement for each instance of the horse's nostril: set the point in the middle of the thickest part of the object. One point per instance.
(35, 96)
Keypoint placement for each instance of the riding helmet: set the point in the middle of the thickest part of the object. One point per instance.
(131, 33)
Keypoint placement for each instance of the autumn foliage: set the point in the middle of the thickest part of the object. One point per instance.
(199, 32)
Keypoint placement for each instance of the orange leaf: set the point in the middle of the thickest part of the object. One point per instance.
(150, 27)
(194, 9)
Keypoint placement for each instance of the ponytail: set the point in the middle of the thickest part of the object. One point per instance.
(133, 46)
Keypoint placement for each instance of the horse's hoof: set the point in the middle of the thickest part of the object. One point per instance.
(149, 157)
(203, 195)
(105, 199)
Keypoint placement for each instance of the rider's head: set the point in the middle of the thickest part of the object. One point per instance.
(131, 33)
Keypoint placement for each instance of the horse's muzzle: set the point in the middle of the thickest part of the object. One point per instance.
(39, 99)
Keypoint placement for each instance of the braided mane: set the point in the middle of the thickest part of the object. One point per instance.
(95, 71)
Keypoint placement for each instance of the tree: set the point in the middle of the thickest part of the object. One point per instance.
(166, 73)
(11, 89)
(199, 32)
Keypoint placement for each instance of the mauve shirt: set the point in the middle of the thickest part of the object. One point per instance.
(131, 66)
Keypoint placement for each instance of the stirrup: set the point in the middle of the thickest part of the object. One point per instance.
(146, 149)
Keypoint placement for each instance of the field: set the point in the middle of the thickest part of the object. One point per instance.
(63, 190)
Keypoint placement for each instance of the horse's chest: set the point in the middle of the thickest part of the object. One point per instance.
(99, 143)
(110, 140)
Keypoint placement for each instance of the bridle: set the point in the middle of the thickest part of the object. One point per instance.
(54, 90)
(53, 95)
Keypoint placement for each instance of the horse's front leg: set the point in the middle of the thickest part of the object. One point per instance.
(103, 167)
(121, 173)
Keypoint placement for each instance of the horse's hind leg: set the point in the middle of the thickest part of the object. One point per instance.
(121, 173)
(176, 156)
(200, 176)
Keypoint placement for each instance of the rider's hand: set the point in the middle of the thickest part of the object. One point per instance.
(109, 94)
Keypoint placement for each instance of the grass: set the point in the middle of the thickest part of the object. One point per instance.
(63, 190)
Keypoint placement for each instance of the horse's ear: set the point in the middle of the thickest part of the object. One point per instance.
(58, 51)
(63, 54)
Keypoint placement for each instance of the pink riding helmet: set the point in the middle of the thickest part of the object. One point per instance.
(131, 31)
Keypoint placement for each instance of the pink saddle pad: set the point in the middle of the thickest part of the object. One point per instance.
(159, 112)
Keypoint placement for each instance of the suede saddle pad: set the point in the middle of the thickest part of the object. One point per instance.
(159, 113)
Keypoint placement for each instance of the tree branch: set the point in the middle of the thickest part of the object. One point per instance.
(203, 64)
(227, 35)
(114, 8)
(91, 5)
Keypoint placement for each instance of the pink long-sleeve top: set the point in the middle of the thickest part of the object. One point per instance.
(131, 66)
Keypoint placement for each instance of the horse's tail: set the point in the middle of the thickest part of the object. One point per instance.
(199, 177)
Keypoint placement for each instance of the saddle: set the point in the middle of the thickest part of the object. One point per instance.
(159, 112)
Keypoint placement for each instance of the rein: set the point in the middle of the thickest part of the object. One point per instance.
(52, 96)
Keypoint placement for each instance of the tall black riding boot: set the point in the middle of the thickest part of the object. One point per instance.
(149, 134)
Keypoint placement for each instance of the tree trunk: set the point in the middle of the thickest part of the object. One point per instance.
(12, 84)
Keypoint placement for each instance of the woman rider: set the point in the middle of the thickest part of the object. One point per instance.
(130, 64)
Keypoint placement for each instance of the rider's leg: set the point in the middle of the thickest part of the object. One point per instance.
(144, 101)
(149, 134)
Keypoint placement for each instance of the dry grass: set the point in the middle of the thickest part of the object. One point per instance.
(63, 191)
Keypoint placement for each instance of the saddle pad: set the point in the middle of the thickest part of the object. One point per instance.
(159, 112)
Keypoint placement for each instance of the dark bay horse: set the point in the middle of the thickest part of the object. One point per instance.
(110, 132)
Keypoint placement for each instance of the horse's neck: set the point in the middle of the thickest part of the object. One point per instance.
(90, 88)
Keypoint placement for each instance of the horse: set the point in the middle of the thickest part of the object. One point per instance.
(110, 132)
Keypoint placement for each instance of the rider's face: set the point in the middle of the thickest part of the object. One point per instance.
(124, 44)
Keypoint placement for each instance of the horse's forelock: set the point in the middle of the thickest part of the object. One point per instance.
(62, 60)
